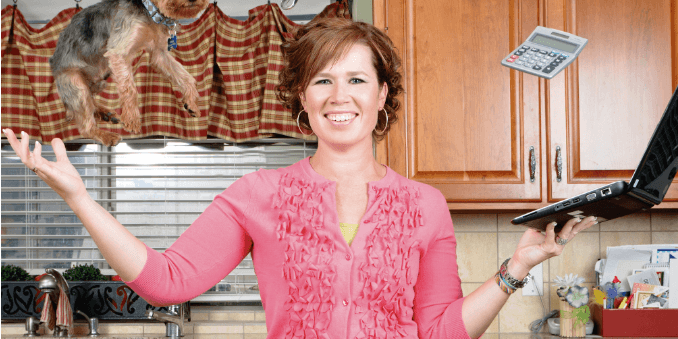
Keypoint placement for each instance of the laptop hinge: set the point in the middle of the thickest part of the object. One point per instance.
(644, 197)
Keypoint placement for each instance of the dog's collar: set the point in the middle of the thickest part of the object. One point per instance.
(156, 16)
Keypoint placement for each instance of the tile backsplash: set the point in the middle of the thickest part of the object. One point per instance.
(484, 241)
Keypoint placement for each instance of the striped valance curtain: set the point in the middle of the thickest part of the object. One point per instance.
(236, 65)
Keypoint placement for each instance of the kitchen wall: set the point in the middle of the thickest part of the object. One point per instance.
(486, 240)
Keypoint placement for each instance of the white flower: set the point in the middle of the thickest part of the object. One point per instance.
(568, 281)
(564, 284)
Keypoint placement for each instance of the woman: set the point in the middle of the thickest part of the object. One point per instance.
(395, 278)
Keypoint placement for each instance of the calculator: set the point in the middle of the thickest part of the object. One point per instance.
(546, 52)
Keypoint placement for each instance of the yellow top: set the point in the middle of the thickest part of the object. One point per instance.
(348, 231)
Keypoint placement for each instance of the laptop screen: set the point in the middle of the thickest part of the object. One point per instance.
(660, 162)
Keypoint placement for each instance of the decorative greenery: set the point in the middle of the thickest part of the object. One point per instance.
(581, 315)
(14, 273)
(84, 273)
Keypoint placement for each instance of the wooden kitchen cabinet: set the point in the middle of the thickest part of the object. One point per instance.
(472, 127)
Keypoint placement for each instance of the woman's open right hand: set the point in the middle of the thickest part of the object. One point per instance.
(61, 176)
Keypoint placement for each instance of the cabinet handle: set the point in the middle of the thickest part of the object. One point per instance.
(559, 164)
(533, 164)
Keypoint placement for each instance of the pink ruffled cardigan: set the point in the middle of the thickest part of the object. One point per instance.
(398, 279)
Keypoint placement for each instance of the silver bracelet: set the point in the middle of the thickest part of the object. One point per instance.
(510, 280)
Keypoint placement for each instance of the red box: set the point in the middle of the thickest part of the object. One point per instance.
(634, 323)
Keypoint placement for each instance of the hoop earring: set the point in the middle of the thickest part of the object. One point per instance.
(385, 126)
(299, 127)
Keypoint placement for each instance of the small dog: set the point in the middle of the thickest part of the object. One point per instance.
(101, 41)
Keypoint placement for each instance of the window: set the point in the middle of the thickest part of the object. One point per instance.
(155, 187)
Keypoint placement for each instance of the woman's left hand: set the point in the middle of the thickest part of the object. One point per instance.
(535, 247)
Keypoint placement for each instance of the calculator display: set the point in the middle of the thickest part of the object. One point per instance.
(555, 43)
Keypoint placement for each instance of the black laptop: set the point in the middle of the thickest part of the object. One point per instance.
(646, 189)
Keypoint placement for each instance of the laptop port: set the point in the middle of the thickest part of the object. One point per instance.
(576, 200)
(606, 191)
(591, 196)
(566, 203)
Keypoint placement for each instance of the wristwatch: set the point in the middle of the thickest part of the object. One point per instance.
(515, 283)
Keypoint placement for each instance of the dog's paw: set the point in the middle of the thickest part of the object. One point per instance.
(134, 126)
(109, 138)
(193, 110)
(130, 117)
(108, 117)
(131, 121)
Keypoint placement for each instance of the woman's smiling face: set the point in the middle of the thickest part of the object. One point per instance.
(343, 100)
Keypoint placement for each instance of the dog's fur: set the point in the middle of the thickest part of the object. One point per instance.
(101, 41)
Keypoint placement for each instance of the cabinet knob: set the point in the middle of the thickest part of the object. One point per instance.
(559, 164)
(533, 164)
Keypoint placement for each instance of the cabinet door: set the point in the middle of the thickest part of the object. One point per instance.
(603, 110)
(468, 123)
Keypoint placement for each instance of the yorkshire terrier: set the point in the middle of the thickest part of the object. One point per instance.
(102, 40)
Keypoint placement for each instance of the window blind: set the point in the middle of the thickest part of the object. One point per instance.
(154, 187)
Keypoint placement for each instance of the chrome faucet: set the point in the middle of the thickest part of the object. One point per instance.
(174, 320)
(92, 322)
(50, 284)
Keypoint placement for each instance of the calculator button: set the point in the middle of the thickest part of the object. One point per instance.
(561, 58)
(510, 60)
(518, 53)
(564, 55)
(548, 69)
(535, 49)
(555, 64)
(531, 62)
(552, 54)
(544, 60)
(543, 52)
(519, 62)
(541, 64)
(536, 68)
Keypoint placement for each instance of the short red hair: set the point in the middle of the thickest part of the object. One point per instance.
(325, 41)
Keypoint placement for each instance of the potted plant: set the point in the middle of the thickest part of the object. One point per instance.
(84, 273)
(15, 273)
